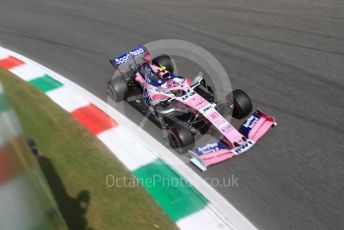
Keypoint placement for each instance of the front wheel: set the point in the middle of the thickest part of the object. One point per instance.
(242, 105)
(180, 138)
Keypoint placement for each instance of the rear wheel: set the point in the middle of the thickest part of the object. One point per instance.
(180, 138)
(242, 105)
(118, 88)
(164, 60)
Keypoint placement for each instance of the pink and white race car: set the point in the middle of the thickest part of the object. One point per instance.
(184, 107)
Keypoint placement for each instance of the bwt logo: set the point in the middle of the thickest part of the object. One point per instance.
(251, 121)
(207, 108)
(127, 56)
(244, 147)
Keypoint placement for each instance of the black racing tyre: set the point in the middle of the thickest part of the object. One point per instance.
(242, 104)
(180, 138)
(118, 88)
(164, 60)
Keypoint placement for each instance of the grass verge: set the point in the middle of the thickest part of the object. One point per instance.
(76, 165)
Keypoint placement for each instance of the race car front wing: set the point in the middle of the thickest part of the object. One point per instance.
(253, 129)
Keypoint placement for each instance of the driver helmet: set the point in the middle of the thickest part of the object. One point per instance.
(163, 72)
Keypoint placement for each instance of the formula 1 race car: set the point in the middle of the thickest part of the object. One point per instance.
(184, 107)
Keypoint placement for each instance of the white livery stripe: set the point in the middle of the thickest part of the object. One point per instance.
(126, 147)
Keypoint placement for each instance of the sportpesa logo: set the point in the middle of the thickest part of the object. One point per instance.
(127, 56)
(209, 148)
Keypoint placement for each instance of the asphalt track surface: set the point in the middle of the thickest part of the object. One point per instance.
(288, 55)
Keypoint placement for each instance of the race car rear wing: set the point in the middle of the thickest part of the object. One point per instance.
(138, 52)
(253, 129)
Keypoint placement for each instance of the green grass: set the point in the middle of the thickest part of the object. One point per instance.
(76, 164)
